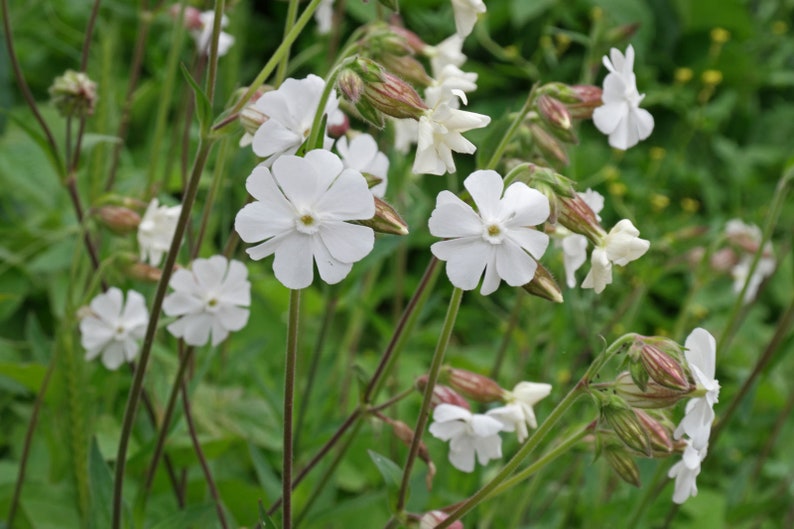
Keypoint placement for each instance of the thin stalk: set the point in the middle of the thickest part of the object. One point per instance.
(89, 34)
(151, 329)
(330, 84)
(432, 378)
(275, 59)
(212, 72)
(530, 444)
(292, 14)
(217, 178)
(202, 459)
(512, 323)
(289, 397)
(500, 149)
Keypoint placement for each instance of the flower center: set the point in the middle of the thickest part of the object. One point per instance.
(493, 232)
(307, 223)
(120, 331)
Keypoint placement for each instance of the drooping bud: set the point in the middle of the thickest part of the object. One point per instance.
(119, 219)
(574, 213)
(660, 359)
(442, 394)
(543, 285)
(654, 396)
(473, 385)
(386, 219)
(622, 463)
(432, 519)
(408, 68)
(251, 118)
(659, 434)
(553, 113)
(589, 98)
(548, 145)
(405, 433)
(144, 272)
(73, 94)
(624, 422)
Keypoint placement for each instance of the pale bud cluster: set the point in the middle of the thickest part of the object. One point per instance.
(74, 94)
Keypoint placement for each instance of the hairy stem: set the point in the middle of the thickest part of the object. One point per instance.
(289, 401)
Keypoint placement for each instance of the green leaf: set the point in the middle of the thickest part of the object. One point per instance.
(203, 106)
(197, 515)
(265, 522)
(522, 11)
(101, 487)
(392, 475)
(28, 375)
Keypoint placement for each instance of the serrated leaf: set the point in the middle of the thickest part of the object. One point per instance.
(203, 106)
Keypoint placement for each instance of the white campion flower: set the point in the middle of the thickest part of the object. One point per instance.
(686, 472)
(468, 434)
(439, 133)
(112, 328)
(448, 51)
(363, 155)
(620, 117)
(324, 16)
(290, 111)
(621, 246)
(466, 12)
(574, 245)
(209, 300)
(156, 230)
(700, 353)
(748, 238)
(518, 414)
(497, 240)
(202, 34)
(300, 214)
(405, 134)
(450, 86)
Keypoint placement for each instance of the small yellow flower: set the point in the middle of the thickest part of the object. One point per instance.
(657, 153)
(711, 77)
(659, 202)
(611, 172)
(720, 35)
(690, 205)
(779, 27)
(699, 311)
(683, 75)
(617, 189)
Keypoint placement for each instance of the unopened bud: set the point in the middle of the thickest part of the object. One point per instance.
(442, 394)
(432, 519)
(74, 94)
(473, 385)
(119, 219)
(548, 145)
(623, 464)
(251, 118)
(405, 433)
(408, 68)
(621, 33)
(144, 272)
(574, 213)
(654, 396)
(191, 16)
(553, 112)
(724, 260)
(624, 422)
(386, 219)
(543, 285)
(659, 434)
(579, 100)
(340, 129)
(660, 359)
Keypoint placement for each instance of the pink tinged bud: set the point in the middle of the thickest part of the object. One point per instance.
(543, 285)
(548, 145)
(119, 219)
(624, 422)
(588, 99)
(724, 260)
(408, 68)
(553, 112)
(660, 435)
(574, 213)
(411, 39)
(433, 518)
(659, 358)
(192, 16)
(144, 272)
(623, 464)
(251, 118)
(339, 130)
(73, 94)
(442, 394)
(654, 396)
(386, 219)
(477, 387)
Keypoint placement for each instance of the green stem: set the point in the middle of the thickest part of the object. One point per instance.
(432, 378)
(579, 389)
(500, 149)
(289, 398)
(292, 13)
(137, 383)
(330, 85)
(275, 59)
(212, 72)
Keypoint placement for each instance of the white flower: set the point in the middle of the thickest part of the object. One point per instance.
(518, 414)
(156, 230)
(299, 214)
(621, 246)
(290, 110)
(574, 245)
(113, 328)
(686, 472)
(449, 86)
(498, 239)
(620, 116)
(468, 434)
(203, 34)
(324, 16)
(765, 267)
(432, 519)
(405, 134)
(439, 133)
(466, 12)
(210, 299)
(700, 354)
(448, 51)
(362, 154)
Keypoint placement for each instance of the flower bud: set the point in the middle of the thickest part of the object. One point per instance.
(251, 118)
(408, 68)
(653, 397)
(659, 434)
(74, 94)
(442, 394)
(621, 33)
(548, 145)
(433, 518)
(623, 464)
(574, 213)
(405, 433)
(589, 98)
(119, 219)
(724, 260)
(191, 18)
(144, 272)
(659, 358)
(340, 129)
(475, 386)
(543, 285)
(553, 112)
(386, 219)
(624, 422)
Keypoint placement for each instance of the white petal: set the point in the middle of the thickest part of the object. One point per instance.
(293, 264)
(232, 318)
(527, 206)
(450, 412)
(514, 265)
(455, 219)
(485, 187)
(463, 459)
(466, 259)
(257, 222)
(178, 304)
(532, 241)
(348, 198)
(701, 350)
(113, 355)
(346, 242)
(272, 137)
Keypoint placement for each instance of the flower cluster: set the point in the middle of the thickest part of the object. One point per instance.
(112, 328)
